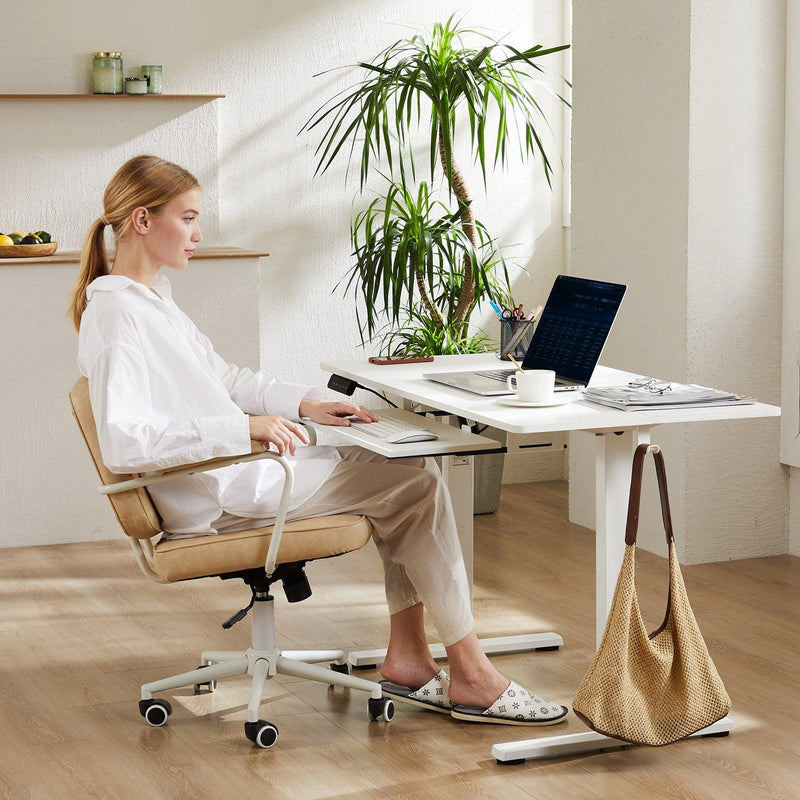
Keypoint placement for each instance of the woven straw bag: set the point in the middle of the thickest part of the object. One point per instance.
(658, 688)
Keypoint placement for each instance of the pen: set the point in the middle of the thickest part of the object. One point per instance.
(516, 363)
(535, 313)
(499, 313)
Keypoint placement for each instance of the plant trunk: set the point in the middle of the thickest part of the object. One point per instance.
(466, 297)
(423, 293)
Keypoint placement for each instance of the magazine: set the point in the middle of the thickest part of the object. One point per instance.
(649, 394)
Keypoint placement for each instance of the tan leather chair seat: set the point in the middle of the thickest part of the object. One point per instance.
(303, 540)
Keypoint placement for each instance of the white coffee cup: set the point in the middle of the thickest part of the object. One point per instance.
(533, 385)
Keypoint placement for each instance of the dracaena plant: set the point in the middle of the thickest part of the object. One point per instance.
(418, 261)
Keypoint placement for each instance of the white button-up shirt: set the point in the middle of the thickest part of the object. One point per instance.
(161, 397)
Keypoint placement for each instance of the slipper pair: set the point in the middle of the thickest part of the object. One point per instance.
(515, 706)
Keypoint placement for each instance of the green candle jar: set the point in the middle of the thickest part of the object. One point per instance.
(152, 73)
(135, 86)
(107, 73)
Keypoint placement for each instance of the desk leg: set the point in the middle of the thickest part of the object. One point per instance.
(457, 472)
(613, 458)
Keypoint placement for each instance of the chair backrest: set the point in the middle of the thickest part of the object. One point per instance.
(134, 509)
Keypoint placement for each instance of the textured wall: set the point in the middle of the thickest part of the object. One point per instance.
(686, 208)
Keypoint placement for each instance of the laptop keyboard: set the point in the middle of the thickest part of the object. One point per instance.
(502, 376)
(497, 374)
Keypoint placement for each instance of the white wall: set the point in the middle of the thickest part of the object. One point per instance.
(685, 102)
(256, 171)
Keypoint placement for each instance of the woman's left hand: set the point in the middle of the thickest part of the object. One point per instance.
(335, 413)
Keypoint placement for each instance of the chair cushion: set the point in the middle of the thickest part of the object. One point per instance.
(303, 540)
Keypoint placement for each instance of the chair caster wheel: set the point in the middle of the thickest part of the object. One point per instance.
(382, 708)
(262, 733)
(211, 685)
(342, 669)
(155, 712)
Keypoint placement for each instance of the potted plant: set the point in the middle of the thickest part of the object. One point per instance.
(422, 265)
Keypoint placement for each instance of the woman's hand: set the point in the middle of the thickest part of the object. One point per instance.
(333, 413)
(278, 431)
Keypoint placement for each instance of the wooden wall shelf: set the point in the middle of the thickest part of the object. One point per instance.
(74, 256)
(65, 96)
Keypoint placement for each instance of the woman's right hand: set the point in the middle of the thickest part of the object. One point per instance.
(278, 431)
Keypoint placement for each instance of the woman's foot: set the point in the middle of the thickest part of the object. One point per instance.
(408, 660)
(480, 687)
(413, 673)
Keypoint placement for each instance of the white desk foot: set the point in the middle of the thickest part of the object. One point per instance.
(571, 743)
(494, 646)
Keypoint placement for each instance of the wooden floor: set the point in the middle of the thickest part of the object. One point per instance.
(81, 630)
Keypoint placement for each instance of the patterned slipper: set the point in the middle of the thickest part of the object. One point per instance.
(515, 706)
(432, 696)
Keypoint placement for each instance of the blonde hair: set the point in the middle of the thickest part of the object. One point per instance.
(146, 181)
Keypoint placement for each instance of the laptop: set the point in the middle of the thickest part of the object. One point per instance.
(568, 339)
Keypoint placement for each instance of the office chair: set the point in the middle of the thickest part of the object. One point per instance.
(258, 556)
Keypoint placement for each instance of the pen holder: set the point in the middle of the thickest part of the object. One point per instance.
(515, 338)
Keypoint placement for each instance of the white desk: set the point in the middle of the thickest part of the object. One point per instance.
(618, 433)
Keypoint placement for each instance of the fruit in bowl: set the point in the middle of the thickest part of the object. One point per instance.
(19, 245)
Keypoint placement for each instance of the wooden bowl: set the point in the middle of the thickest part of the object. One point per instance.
(27, 250)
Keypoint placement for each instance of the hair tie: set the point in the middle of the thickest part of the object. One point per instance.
(104, 219)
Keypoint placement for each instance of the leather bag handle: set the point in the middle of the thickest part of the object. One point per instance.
(634, 501)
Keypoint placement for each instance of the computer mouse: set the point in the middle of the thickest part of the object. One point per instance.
(406, 437)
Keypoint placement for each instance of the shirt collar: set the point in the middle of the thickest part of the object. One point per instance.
(118, 283)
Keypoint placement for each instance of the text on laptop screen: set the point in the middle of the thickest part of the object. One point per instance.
(574, 327)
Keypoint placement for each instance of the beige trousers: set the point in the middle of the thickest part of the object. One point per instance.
(409, 507)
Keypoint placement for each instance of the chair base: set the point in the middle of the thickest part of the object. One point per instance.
(263, 660)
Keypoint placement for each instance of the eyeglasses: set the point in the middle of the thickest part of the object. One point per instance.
(651, 385)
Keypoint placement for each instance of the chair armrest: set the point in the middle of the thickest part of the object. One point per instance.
(258, 451)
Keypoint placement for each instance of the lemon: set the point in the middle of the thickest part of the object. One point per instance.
(5, 240)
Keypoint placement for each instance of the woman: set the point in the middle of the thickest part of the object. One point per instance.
(161, 397)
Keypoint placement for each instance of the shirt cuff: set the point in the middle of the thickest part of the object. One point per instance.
(291, 395)
(224, 436)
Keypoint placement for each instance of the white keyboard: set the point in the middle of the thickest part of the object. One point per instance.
(395, 431)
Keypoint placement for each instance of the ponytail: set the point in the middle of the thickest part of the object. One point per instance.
(94, 263)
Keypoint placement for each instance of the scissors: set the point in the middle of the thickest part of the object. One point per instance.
(513, 314)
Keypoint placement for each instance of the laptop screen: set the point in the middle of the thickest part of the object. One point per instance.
(574, 327)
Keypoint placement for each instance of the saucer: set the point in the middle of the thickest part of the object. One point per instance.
(559, 399)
